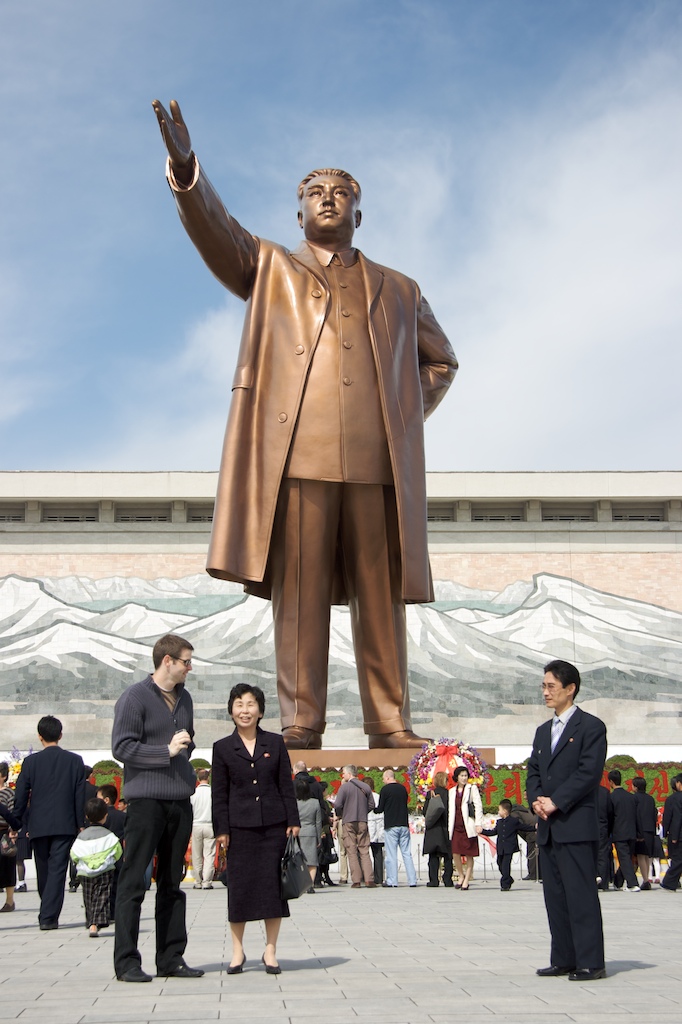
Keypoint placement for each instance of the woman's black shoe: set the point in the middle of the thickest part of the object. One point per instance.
(269, 969)
(238, 968)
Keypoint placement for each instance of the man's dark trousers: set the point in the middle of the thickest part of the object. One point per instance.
(51, 855)
(572, 867)
(672, 875)
(162, 827)
(624, 851)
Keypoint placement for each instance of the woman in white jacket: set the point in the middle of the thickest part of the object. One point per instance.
(466, 821)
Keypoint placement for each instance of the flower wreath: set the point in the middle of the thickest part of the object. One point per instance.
(15, 760)
(445, 756)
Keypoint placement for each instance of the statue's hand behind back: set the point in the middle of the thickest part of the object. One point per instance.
(175, 134)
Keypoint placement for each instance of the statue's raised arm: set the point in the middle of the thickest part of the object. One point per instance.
(175, 137)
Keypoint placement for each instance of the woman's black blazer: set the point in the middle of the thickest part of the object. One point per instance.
(249, 791)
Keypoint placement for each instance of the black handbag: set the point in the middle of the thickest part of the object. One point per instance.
(472, 809)
(295, 875)
(328, 854)
(434, 810)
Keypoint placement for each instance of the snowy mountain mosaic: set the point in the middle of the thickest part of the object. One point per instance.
(69, 646)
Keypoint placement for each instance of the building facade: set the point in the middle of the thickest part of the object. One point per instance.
(526, 566)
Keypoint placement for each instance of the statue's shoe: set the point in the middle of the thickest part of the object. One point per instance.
(297, 737)
(396, 740)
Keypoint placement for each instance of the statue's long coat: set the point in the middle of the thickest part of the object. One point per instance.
(287, 301)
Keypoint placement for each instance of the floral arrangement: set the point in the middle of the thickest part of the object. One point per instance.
(444, 756)
(14, 760)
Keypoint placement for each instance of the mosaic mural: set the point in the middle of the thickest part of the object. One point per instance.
(69, 646)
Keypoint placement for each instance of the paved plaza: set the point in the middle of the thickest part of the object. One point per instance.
(399, 956)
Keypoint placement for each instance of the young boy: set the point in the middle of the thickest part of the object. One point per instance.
(507, 828)
(95, 852)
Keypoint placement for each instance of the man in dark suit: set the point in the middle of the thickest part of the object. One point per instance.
(672, 829)
(564, 772)
(53, 780)
(623, 832)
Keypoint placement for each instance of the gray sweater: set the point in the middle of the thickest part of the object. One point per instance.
(143, 728)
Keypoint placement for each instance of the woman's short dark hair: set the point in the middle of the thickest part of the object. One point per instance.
(302, 788)
(240, 690)
(4, 770)
(458, 769)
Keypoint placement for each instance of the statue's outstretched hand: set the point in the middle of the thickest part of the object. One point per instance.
(175, 135)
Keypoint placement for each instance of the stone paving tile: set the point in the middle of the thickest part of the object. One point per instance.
(374, 956)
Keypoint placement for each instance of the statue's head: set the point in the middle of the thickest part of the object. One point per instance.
(329, 207)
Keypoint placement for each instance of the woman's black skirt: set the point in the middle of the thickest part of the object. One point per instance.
(254, 860)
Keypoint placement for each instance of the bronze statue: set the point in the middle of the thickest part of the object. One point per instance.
(322, 492)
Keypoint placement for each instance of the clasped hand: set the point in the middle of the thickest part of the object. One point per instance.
(544, 806)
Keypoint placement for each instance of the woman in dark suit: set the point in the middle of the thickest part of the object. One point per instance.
(437, 835)
(254, 810)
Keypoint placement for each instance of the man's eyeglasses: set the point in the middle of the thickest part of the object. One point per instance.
(187, 662)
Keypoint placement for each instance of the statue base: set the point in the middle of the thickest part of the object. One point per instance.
(379, 757)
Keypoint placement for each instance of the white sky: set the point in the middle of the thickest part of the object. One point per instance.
(522, 160)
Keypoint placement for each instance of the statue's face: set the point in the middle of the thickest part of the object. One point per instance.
(329, 213)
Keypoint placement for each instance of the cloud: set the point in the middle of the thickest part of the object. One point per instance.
(175, 415)
(568, 309)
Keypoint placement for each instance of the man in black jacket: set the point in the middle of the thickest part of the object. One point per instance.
(152, 736)
(393, 805)
(564, 772)
(53, 780)
(672, 829)
(623, 832)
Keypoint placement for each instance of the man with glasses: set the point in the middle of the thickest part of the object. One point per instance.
(152, 736)
(564, 774)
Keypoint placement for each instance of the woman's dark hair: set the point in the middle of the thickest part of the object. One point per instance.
(302, 788)
(240, 690)
(458, 769)
(4, 770)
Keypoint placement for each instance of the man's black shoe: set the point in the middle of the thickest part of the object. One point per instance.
(587, 974)
(134, 974)
(48, 926)
(554, 972)
(181, 971)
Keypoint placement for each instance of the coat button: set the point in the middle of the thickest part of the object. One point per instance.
(257, 798)
(299, 350)
(252, 765)
(342, 284)
(345, 312)
(255, 782)
(282, 417)
(347, 381)
(317, 294)
(347, 344)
